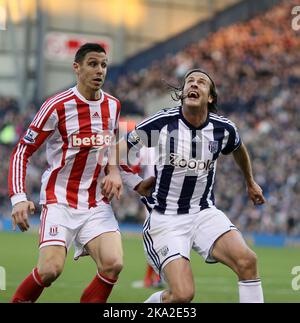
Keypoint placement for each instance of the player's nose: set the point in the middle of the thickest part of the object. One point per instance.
(100, 70)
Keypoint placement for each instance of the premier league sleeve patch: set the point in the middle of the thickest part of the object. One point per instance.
(30, 136)
(134, 139)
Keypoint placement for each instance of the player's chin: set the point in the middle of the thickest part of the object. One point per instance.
(96, 87)
(192, 102)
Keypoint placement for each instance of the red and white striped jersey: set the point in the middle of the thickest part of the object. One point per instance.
(72, 126)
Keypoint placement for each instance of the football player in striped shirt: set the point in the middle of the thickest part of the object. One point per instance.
(78, 125)
(189, 139)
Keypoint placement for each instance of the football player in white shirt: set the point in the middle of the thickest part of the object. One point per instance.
(190, 138)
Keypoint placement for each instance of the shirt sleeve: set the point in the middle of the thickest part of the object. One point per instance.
(129, 178)
(32, 139)
(116, 127)
(147, 132)
(233, 139)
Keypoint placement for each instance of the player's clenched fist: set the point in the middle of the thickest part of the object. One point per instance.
(20, 215)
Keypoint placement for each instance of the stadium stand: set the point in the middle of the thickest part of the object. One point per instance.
(256, 66)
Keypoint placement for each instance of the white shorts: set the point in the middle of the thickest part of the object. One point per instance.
(167, 237)
(62, 225)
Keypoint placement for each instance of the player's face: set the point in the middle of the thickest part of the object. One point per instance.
(196, 90)
(92, 70)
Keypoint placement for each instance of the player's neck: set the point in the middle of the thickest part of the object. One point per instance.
(88, 94)
(195, 116)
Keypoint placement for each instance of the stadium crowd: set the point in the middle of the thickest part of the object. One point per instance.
(256, 67)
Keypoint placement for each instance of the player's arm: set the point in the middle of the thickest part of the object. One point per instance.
(145, 134)
(135, 182)
(234, 145)
(121, 152)
(20, 213)
(128, 177)
(40, 128)
(27, 145)
(242, 158)
(145, 186)
(111, 184)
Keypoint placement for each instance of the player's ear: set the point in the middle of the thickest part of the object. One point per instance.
(75, 67)
(210, 99)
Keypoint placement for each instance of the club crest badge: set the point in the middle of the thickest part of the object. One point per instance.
(213, 146)
(164, 251)
(53, 230)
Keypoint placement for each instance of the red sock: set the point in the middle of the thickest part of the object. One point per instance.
(148, 276)
(98, 290)
(155, 277)
(30, 289)
(150, 271)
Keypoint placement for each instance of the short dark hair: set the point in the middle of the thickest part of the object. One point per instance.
(86, 48)
(178, 91)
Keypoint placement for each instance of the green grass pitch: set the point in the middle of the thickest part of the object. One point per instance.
(214, 283)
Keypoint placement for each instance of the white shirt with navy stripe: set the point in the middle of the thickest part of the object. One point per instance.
(186, 161)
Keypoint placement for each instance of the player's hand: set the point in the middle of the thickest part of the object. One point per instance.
(144, 188)
(111, 185)
(256, 194)
(20, 213)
